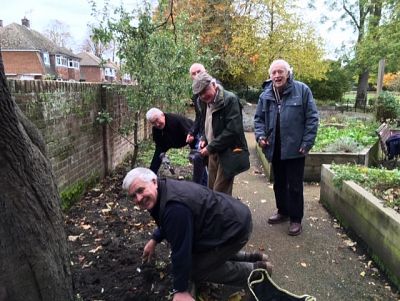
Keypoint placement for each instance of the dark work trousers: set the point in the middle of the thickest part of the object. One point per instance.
(200, 174)
(199, 170)
(214, 265)
(288, 183)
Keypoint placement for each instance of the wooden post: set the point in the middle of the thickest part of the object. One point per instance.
(381, 72)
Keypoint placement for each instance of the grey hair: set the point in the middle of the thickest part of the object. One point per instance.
(284, 63)
(144, 174)
(153, 112)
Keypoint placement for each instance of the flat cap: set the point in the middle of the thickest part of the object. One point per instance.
(201, 81)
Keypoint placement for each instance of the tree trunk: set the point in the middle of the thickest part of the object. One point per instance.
(34, 260)
(362, 87)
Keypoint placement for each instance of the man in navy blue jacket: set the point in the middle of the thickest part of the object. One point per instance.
(170, 131)
(206, 231)
(285, 126)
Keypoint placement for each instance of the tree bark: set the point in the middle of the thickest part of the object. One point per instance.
(34, 260)
(362, 87)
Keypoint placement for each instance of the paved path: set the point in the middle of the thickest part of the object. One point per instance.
(323, 261)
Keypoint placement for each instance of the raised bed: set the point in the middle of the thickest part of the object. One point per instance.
(377, 226)
(314, 161)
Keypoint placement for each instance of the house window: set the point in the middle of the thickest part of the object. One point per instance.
(46, 58)
(73, 64)
(61, 61)
(110, 72)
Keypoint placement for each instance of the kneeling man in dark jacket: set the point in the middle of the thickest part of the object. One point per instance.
(206, 230)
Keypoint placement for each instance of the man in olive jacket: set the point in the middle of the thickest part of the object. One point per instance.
(223, 142)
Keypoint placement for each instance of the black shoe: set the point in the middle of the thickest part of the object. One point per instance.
(266, 265)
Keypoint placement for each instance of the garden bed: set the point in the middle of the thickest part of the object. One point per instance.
(365, 215)
(312, 171)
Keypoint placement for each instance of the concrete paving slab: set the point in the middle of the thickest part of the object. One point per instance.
(323, 261)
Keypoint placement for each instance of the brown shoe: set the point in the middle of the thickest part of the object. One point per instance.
(277, 218)
(266, 265)
(294, 229)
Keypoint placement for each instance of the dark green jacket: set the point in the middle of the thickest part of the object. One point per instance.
(227, 125)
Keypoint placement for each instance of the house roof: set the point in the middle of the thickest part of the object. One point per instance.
(89, 59)
(19, 37)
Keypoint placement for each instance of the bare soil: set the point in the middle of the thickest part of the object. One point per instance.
(106, 235)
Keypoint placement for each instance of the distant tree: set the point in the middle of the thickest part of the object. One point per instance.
(34, 259)
(377, 25)
(156, 52)
(59, 33)
(94, 45)
(337, 81)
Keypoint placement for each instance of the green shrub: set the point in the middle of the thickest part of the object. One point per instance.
(359, 133)
(387, 107)
(336, 82)
(382, 183)
(250, 95)
(344, 144)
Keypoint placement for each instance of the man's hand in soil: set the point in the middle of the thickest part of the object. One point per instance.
(182, 296)
(148, 250)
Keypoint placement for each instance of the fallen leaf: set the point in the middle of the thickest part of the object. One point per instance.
(85, 226)
(303, 264)
(362, 274)
(96, 249)
(263, 201)
(73, 237)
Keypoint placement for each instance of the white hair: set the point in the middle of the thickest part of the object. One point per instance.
(198, 65)
(144, 174)
(284, 63)
(152, 113)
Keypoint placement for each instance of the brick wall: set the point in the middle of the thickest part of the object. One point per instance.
(65, 113)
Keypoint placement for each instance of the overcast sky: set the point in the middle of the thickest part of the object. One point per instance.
(77, 15)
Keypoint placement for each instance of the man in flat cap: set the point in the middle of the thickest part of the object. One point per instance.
(223, 141)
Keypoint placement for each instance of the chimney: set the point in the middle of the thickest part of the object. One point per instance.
(1, 23)
(25, 22)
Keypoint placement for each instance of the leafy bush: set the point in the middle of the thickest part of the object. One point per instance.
(344, 144)
(383, 183)
(250, 95)
(334, 85)
(358, 133)
(387, 107)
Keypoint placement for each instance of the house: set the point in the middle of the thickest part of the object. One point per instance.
(94, 69)
(91, 67)
(27, 54)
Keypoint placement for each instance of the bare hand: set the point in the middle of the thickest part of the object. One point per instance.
(148, 251)
(189, 138)
(302, 151)
(182, 296)
(202, 144)
(204, 152)
(263, 142)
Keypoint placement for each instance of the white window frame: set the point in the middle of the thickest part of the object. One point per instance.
(46, 58)
(109, 72)
(61, 61)
(73, 64)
